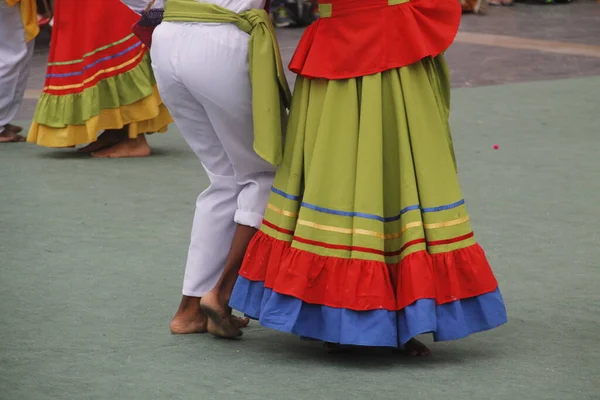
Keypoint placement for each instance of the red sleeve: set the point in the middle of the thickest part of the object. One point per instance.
(267, 5)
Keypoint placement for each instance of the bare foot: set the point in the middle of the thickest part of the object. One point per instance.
(8, 136)
(13, 128)
(189, 318)
(108, 138)
(220, 321)
(186, 324)
(414, 348)
(239, 321)
(137, 147)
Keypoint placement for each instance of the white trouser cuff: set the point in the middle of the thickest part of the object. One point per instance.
(191, 293)
(248, 218)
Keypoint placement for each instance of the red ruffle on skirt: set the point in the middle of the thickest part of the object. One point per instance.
(364, 37)
(367, 285)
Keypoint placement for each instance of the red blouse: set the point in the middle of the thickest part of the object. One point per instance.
(362, 37)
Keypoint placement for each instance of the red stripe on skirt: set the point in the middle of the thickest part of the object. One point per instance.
(367, 249)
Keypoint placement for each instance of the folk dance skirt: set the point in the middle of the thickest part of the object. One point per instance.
(98, 77)
(366, 238)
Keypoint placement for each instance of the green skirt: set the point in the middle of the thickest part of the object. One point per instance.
(366, 238)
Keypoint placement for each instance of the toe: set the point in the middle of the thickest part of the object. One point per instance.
(240, 322)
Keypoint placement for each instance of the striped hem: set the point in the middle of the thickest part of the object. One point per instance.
(93, 64)
(393, 218)
(91, 53)
(362, 249)
(96, 77)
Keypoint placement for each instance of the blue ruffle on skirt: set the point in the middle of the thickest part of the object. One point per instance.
(380, 328)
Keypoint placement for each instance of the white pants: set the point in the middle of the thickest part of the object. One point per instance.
(15, 62)
(202, 75)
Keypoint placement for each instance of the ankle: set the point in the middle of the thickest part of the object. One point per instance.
(223, 300)
(189, 303)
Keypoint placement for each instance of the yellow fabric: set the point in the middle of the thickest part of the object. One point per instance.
(144, 116)
(270, 90)
(28, 16)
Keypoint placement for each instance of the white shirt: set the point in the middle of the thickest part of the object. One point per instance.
(237, 6)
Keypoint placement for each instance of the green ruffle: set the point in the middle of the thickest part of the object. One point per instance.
(59, 111)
